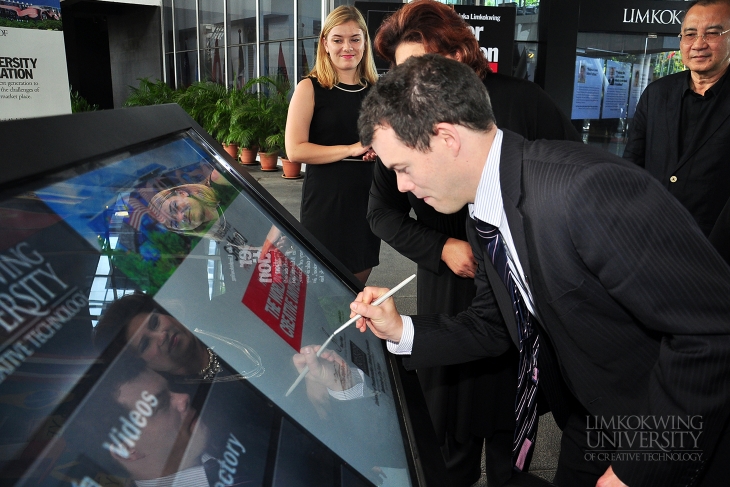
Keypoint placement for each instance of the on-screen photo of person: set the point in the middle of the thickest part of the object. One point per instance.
(166, 345)
(169, 441)
(190, 208)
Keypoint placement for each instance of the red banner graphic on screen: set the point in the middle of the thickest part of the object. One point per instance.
(276, 294)
(493, 66)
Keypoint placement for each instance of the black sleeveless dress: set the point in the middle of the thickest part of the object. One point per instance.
(335, 196)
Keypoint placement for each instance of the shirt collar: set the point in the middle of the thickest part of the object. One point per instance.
(713, 90)
(488, 205)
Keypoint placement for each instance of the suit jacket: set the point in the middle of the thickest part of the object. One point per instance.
(703, 171)
(720, 235)
(458, 396)
(627, 289)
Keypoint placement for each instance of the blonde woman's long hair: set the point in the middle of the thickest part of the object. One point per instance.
(323, 69)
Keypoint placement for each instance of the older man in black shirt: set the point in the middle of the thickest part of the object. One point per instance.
(681, 129)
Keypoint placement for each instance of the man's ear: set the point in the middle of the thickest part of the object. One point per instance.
(446, 133)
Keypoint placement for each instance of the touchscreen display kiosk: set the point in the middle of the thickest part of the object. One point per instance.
(153, 303)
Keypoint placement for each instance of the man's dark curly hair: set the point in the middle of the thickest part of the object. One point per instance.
(421, 93)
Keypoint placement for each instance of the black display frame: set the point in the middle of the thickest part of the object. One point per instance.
(55, 144)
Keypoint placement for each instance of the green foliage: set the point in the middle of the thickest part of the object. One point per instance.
(222, 114)
(261, 119)
(668, 63)
(150, 93)
(49, 24)
(79, 103)
(253, 116)
(200, 100)
(150, 274)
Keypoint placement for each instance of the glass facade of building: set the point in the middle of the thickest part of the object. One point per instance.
(233, 41)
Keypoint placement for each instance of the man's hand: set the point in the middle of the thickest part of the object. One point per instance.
(329, 369)
(458, 256)
(383, 320)
(609, 479)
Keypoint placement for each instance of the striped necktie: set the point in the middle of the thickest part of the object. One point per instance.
(526, 398)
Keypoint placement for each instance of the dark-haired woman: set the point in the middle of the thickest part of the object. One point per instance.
(467, 402)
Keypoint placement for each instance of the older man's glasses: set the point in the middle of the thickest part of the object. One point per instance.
(709, 37)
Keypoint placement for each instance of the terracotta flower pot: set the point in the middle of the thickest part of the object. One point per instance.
(232, 150)
(248, 156)
(292, 170)
(268, 161)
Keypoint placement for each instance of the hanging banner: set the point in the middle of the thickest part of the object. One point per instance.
(33, 74)
(641, 77)
(493, 27)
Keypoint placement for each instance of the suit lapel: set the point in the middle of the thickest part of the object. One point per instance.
(551, 378)
(510, 179)
(504, 301)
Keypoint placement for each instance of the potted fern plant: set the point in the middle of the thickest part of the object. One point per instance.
(200, 100)
(276, 142)
(262, 115)
(244, 130)
(273, 111)
(150, 93)
(222, 118)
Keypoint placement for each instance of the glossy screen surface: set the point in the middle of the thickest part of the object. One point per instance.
(186, 378)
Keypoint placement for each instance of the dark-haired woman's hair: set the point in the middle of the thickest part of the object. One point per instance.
(435, 25)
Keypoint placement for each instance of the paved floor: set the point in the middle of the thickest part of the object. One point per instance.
(394, 268)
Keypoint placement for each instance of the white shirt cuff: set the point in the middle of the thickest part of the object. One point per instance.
(353, 392)
(405, 345)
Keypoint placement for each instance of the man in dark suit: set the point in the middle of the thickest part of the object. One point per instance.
(614, 286)
(681, 129)
(437, 243)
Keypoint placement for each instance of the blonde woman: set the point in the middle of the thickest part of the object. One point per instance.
(321, 131)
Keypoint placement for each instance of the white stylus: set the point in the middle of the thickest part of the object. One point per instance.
(377, 302)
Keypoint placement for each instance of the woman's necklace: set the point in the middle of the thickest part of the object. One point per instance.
(209, 373)
(352, 91)
(212, 368)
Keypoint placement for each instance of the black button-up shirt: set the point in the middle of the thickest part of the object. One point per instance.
(695, 111)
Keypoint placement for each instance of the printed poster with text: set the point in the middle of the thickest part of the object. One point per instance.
(33, 74)
(616, 93)
(641, 77)
(587, 86)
